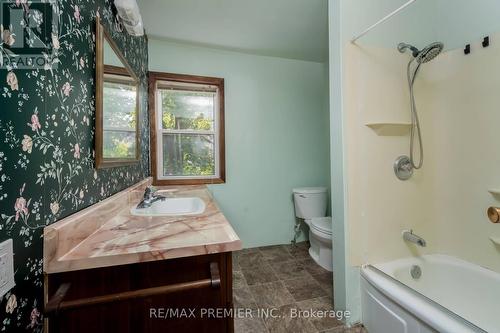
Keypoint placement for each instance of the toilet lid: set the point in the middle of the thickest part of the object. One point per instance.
(309, 190)
(323, 224)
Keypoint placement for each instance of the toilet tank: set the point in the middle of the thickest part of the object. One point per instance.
(310, 202)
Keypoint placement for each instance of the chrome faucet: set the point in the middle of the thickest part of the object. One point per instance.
(409, 236)
(150, 197)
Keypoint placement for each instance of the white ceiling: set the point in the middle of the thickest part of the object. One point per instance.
(296, 29)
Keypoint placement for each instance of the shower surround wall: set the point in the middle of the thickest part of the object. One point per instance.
(348, 18)
(379, 206)
(445, 202)
(46, 152)
(461, 101)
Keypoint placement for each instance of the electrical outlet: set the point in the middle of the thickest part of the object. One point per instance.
(6, 267)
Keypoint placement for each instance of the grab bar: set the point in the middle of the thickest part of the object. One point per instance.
(57, 303)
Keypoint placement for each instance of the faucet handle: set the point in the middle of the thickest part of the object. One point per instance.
(149, 191)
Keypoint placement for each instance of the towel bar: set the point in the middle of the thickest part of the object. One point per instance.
(57, 302)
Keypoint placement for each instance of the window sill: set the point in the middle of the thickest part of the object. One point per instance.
(194, 181)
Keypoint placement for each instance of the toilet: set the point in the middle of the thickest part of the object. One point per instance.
(310, 205)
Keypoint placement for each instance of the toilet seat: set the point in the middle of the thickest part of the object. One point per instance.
(322, 225)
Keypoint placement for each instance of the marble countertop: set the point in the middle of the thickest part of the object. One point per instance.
(107, 234)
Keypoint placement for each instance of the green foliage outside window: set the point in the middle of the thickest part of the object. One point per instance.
(188, 154)
(120, 110)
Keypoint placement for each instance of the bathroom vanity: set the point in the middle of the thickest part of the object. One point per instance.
(132, 273)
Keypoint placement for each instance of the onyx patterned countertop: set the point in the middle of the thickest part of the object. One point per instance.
(107, 234)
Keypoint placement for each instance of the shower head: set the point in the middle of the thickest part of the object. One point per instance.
(428, 53)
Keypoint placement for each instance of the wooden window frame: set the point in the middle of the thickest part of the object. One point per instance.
(154, 78)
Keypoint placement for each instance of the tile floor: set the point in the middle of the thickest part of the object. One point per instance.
(285, 278)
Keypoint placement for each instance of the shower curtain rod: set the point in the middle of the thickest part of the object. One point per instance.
(382, 20)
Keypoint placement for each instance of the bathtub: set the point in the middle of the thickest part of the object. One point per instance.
(450, 296)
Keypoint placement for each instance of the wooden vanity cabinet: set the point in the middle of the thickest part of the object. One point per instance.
(144, 313)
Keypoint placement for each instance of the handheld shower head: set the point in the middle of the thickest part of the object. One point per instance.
(420, 57)
(428, 53)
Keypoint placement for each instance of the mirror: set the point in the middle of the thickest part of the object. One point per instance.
(117, 105)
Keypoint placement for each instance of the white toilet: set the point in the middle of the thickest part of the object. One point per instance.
(310, 205)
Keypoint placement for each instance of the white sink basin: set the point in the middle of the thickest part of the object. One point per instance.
(172, 207)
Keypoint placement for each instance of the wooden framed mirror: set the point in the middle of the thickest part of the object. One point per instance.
(117, 105)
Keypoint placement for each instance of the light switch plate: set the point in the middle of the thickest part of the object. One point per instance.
(6, 267)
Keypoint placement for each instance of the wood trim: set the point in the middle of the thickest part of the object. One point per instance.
(188, 181)
(228, 258)
(154, 77)
(152, 125)
(101, 68)
(45, 300)
(115, 70)
(185, 78)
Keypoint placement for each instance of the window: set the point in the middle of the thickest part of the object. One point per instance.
(188, 127)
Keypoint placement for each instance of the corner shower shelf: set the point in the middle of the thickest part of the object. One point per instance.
(494, 192)
(495, 240)
(390, 129)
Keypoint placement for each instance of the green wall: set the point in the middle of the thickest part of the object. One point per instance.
(47, 146)
(276, 133)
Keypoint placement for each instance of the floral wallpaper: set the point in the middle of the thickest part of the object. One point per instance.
(47, 142)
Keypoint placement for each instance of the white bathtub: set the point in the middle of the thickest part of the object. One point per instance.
(451, 295)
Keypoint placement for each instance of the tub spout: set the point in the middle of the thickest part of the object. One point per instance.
(409, 236)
